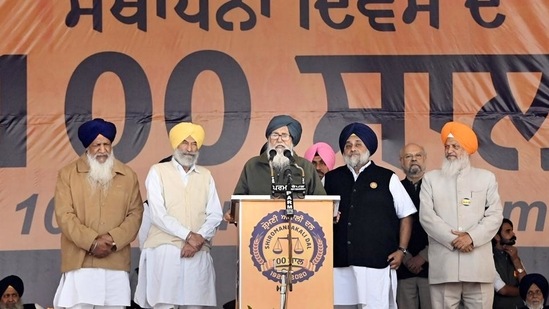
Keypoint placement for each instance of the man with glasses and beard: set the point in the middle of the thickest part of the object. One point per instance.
(510, 270)
(413, 282)
(373, 202)
(282, 133)
(11, 289)
(99, 209)
(176, 268)
(461, 212)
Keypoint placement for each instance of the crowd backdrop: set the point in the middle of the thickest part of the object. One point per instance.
(403, 67)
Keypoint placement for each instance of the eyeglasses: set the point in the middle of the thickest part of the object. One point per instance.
(410, 156)
(534, 293)
(284, 136)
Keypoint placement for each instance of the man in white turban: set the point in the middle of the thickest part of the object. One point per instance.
(176, 268)
(461, 211)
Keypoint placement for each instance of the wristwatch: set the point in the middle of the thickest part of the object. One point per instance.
(520, 270)
(405, 251)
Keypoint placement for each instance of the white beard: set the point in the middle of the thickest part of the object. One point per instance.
(532, 306)
(280, 162)
(186, 159)
(453, 167)
(357, 161)
(101, 174)
(17, 305)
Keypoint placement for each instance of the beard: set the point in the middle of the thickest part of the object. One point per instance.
(356, 160)
(100, 174)
(185, 158)
(414, 170)
(280, 162)
(508, 241)
(531, 305)
(453, 167)
(17, 305)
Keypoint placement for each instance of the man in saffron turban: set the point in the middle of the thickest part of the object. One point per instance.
(461, 212)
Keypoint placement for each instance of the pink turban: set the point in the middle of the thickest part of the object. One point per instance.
(324, 151)
(461, 133)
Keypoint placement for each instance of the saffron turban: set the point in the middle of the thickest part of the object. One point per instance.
(461, 133)
(530, 279)
(366, 135)
(89, 131)
(325, 152)
(185, 129)
(284, 120)
(15, 282)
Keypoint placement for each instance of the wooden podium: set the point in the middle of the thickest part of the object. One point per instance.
(268, 239)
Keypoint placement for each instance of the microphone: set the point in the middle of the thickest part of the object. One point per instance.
(272, 154)
(288, 154)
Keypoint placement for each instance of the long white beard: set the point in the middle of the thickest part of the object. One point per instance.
(101, 174)
(280, 162)
(452, 167)
(357, 161)
(186, 159)
(532, 306)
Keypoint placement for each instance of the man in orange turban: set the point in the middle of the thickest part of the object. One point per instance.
(461, 211)
(176, 268)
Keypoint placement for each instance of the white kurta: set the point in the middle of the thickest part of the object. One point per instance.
(371, 287)
(94, 286)
(164, 276)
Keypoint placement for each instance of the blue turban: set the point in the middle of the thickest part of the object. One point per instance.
(284, 120)
(366, 135)
(13, 281)
(89, 131)
(530, 279)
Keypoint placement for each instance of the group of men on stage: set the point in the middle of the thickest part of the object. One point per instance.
(99, 209)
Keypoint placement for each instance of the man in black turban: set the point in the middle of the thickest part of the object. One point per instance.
(533, 289)
(373, 201)
(98, 207)
(12, 289)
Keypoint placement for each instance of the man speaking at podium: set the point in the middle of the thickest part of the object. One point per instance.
(283, 134)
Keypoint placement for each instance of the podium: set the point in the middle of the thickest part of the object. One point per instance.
(268, 240)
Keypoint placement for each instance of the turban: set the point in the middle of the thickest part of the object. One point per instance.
(89, 131)
(284, 120)
(15, 282)
(530, 279)
(366, 135)
(185, 129)
(324, 151)
(461, 133)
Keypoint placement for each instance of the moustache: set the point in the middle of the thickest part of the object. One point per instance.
(508, 242)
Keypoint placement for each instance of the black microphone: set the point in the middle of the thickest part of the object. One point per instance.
(288, 154)
(272, 154)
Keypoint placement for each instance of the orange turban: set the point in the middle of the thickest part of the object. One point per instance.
(461, 133)
(185, 129)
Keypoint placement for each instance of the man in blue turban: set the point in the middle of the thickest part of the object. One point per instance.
(98, 207)
(373, 201)
(283, 133)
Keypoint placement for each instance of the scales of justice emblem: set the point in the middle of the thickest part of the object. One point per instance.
(275, 235)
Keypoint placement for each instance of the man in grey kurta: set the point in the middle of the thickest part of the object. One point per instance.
(460, 211)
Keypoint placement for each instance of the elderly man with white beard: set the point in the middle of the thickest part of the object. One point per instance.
(461, 212)
(282, 133)
(176, 269)
(373, 202)
(98, 207)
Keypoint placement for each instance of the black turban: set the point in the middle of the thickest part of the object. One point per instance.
(530, 279)
(366, 135)
(89, 131)
(284, 120)
(15, 282)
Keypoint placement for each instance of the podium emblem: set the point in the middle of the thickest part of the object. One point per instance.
(271, 242)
